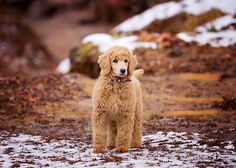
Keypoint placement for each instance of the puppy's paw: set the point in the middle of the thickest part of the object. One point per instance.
(122, 148)
(98, 149)
(110, 146)
(136, 144)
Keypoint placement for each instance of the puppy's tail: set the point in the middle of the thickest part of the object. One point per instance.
(138, 73)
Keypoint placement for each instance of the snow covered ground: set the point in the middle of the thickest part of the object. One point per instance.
(204, 35)
(169, 149)
(64, 66)
(217, 24)
(215, 39)
(195, 7)
(169, 9)
(105, 41)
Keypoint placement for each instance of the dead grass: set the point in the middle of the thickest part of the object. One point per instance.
(192, 113)
(183, 22)
(70, 109)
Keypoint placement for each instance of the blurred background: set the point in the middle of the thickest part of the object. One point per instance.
(42, 32)
(48, 64)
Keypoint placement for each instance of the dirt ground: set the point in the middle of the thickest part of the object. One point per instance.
(197, 123)
(202, 98)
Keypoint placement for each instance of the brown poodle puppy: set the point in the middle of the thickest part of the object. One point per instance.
(117, 102)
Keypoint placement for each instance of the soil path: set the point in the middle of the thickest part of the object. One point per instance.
(64, 31)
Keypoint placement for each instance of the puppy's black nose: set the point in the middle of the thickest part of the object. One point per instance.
(122, 70)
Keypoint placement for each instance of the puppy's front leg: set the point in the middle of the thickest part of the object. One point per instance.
(137, 133)
(112, 131)
(124, 133)
(99, 131)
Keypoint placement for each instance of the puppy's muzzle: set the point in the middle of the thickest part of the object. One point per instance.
(122, 71)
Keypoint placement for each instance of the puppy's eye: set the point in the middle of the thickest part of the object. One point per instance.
(126, 61)
(115, 61)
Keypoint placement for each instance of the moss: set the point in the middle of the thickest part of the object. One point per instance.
(74, 52)
(29, 131)
(155, 116)
(129, 33)
(88, 129)
(115, 35)
(192, 94)
(212, 29)
(150, 164)
(78, 53)
(84, 59)
(86, 49)
(140, 49)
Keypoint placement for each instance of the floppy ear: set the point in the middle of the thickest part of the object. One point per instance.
(132, 64)
(103, 61)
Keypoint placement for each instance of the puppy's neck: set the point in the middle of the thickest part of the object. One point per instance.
(120, 80)
(117, 80)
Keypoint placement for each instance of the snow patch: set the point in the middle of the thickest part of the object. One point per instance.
(105, 41)
(230, 145)
(64, 66)
(169, 149)
(215, 39)
(217, 24)
(197, 7)
(138, 22)
(167, 10)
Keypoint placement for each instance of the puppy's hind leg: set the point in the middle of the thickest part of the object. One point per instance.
(99, 124)
(112, 131)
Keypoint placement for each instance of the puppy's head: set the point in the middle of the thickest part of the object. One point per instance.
(118, 62)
